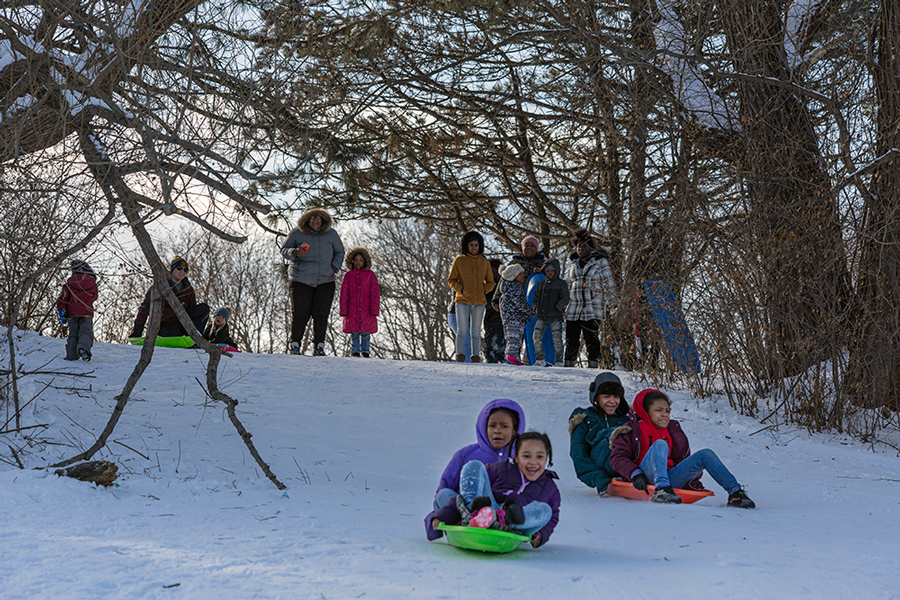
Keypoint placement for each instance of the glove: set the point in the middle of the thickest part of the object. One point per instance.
(62, 315)
(640, 483)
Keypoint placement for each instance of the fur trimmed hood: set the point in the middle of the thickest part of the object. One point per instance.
(468, 237)
(619, 431)
(362, 251)
(303, 221)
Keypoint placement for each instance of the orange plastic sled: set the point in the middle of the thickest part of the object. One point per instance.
(626, 490)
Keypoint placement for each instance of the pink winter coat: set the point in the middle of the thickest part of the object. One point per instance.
(360, 301)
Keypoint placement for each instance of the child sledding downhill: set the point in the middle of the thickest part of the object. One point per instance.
(652, 448)
(520, 497)
(497, 425)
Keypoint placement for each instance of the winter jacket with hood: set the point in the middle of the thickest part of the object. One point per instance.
(513, 305)
(79, 293)
(481, 451)
(592, 288)
(218, 336)
(589, 433)
(360, 300)
(325, 255)
(529, 264)
(471, 276)
(551, 296)
(626, 443)
(508, 483)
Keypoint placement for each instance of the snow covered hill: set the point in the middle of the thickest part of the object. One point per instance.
(361, 445)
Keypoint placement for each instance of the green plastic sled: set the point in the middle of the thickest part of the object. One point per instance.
(179, 341)
(483, 540)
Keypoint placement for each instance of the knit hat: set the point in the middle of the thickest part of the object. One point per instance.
(607, 383)
(222, 311)
(80, 266)
(178, 262)
(511, 271)
(533, 240)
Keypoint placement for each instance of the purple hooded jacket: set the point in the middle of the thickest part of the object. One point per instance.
(508, 483)
(481, 451)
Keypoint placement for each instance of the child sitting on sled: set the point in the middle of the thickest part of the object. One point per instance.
(217, 331)
(652, 446)
(520, 497)
(497, 424)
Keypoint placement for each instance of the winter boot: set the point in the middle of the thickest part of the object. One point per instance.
(320, 349)
(512, 360)
(354, 354)
(460, 358)
(295, 347)
(665, 495)
(478, 503)
(515, 514)
(484, 518)
(476, 358)
(740, 499)
(462, 509)
(569, 363)
(365, 355)
(593, 364)
(84, 354)
(547, 363)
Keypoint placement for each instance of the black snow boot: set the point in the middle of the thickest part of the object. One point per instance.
(666, 495)
(479, 503)
(740, 499)
(515, 514)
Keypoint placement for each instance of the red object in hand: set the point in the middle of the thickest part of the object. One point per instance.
(304, 246)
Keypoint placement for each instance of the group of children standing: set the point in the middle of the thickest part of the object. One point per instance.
(502, 481)
(593, 297)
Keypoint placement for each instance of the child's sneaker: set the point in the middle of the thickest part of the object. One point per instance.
(483, 519)
(665, 495)
(84, 354)
(549, 364)
(320, 349)
(740, 499)
(295, 347)
(513, 360)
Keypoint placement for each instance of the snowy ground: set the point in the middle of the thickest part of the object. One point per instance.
(361, 444)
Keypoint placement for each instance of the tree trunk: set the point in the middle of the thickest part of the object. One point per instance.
(793, 212)
(873, 373)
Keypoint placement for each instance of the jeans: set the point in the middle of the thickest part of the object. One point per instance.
(451, 321)
(359, 342)
(468, 320)
(443, 496)
(556, 327)
(654, 466)
(474, 482)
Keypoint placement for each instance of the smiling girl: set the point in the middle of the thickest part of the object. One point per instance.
(520, 496)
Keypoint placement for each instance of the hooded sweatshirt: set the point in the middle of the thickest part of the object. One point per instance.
(481, 451)
(551, 296)
(628, 446)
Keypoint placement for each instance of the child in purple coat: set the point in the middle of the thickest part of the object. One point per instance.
(521, 496)
(498, 423)
(360, 301)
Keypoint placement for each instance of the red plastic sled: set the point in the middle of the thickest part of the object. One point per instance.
(626, 490)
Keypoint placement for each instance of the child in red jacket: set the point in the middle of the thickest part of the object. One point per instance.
(75, 306)
(360, 301)
(652, 446)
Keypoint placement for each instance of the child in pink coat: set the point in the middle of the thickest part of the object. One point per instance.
(360, 300)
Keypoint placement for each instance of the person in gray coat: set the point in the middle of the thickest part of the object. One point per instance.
(316, 254)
